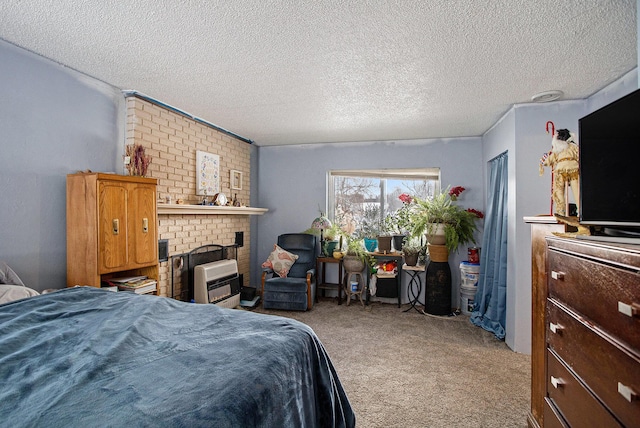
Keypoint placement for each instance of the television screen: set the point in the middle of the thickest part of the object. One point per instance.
(609, 147)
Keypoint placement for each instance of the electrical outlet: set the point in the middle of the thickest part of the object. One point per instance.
(239, 239)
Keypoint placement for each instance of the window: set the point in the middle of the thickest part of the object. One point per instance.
(359, 200)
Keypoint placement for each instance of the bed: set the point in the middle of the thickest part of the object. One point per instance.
(90, 357)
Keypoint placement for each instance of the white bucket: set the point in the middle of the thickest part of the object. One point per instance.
(467, 298)
(469, 274)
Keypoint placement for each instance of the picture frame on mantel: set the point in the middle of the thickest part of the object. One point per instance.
(236, 180)
(207, 173)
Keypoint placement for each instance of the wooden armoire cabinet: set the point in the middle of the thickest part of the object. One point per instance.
(111, 228)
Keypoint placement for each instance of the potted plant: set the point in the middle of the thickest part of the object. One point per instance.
(356, 257)
(370, 227)
(398, 223)
(411, 250)
(332, 239)
(384, 239)
(391, 224)
(443, 222)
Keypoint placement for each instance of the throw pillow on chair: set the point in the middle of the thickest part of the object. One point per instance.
(280, 261)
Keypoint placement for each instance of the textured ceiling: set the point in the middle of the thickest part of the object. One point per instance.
(291, 71)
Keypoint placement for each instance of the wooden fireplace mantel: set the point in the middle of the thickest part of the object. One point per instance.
(177, 209)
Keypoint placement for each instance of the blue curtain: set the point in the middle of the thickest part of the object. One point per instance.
(490, 303)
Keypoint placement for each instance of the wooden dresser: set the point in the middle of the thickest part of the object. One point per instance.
(592, 330)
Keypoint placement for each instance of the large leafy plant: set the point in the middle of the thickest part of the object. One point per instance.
(459, 224)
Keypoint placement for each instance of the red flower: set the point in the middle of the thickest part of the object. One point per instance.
(455, 191)
(405, 198)
(475, 212)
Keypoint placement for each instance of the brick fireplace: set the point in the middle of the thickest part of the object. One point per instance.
(172, 139)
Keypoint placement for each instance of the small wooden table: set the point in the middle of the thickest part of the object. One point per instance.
(321, 283)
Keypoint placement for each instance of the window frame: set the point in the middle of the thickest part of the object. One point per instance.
(385, 174)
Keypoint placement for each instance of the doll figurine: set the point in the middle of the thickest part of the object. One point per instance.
(563, 160)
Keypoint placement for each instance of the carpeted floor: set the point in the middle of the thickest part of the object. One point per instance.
(407, 369)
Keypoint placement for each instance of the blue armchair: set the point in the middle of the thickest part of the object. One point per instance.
(298, 289)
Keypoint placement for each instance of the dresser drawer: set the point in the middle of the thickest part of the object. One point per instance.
(598, 362)
(602, 293)
(552, 418)
(575, 403)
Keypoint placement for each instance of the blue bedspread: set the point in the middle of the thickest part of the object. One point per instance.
(89, 357)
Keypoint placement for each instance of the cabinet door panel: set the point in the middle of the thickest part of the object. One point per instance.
(112, 248)
(142, 214)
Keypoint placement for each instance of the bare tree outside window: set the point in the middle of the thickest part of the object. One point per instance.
(359, 200)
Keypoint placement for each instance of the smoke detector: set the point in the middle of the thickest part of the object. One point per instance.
(545, 97)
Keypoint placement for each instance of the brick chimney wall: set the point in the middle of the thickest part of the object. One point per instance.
(172, 139)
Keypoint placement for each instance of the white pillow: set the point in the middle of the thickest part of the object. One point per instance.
(9, 292)
(8, 276)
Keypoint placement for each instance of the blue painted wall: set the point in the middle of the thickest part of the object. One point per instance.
(293, 181)
(53, 121)
(522, 133)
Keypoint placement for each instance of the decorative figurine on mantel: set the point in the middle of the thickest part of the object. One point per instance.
(563, 160)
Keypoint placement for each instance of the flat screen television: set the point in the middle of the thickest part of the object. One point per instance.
(609, 147)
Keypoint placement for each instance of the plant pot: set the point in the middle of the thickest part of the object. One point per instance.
(330, 247)
(437, 294)
(411, 259)
(438, 253)
(398, 241)
(436, 237)
(384, 244)
(352, 264)
(370, 244)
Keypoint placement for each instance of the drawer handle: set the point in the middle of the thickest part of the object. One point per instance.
(628, 393)
(555, 328)
(632, 310)
(557, 275)
(557, 382)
